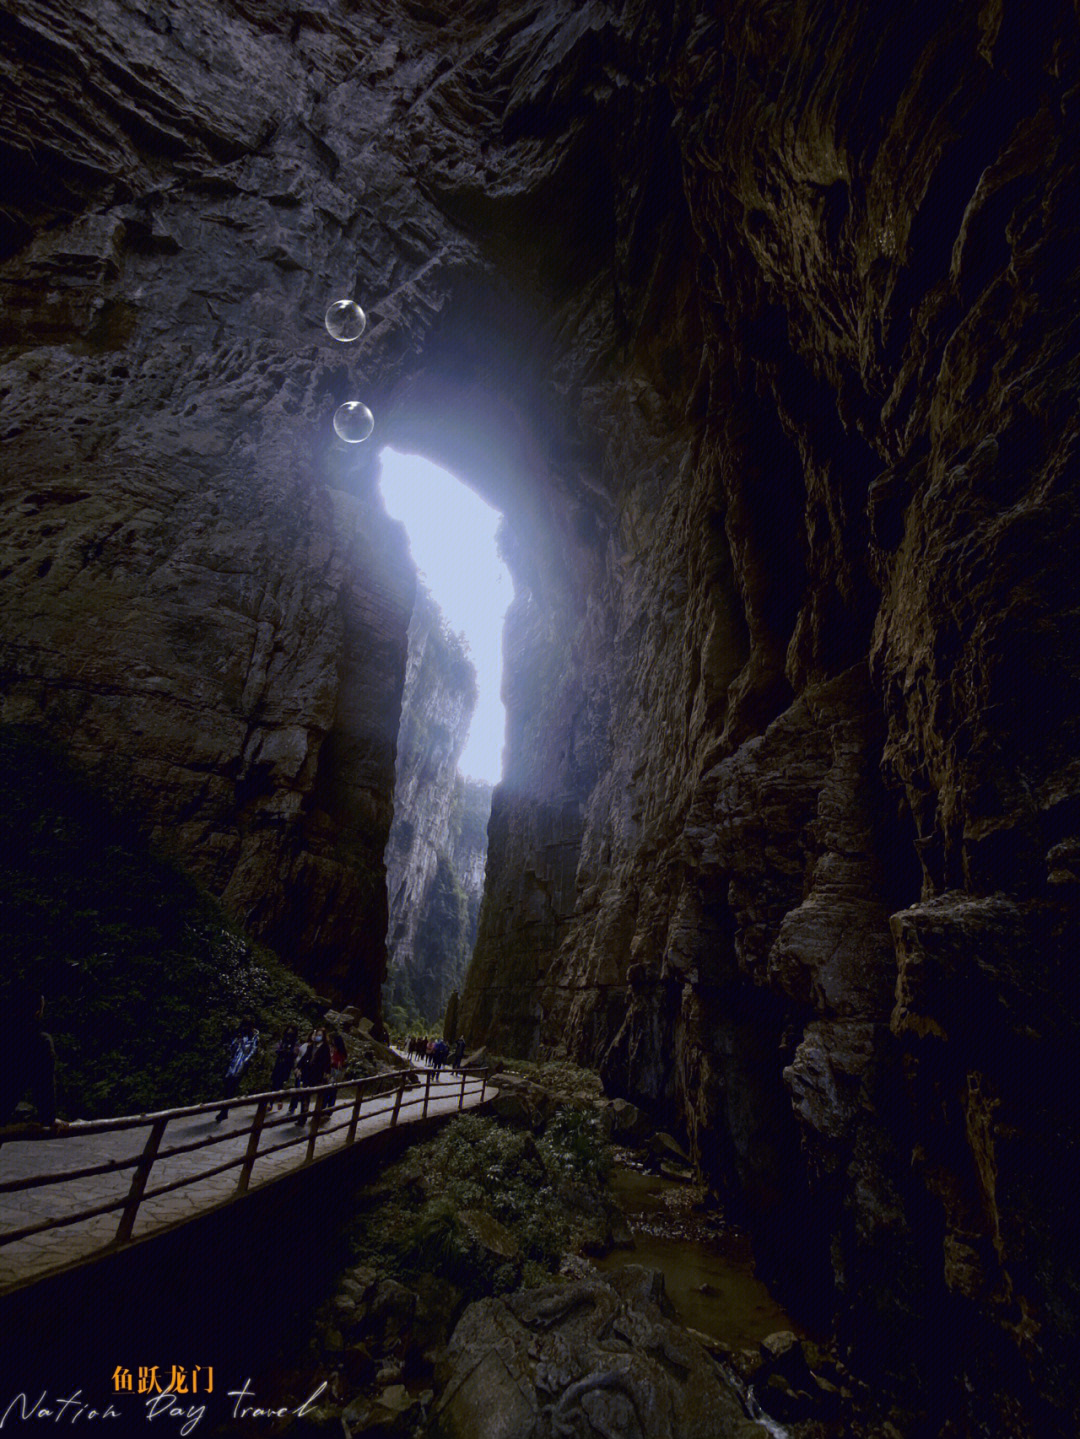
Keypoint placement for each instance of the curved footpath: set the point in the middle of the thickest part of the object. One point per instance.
(35, 1256)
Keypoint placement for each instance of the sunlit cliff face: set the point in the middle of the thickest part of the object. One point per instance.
(759, 329)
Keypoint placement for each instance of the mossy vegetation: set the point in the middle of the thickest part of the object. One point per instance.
(401, 1013)
(545, 1193)
(144, 975)
(561, 1077)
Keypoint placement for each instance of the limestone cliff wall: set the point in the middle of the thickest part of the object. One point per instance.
(788, 810)
(468, 854)
(759, 323)
(424, 949)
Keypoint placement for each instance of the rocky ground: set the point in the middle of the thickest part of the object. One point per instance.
(471, 1307)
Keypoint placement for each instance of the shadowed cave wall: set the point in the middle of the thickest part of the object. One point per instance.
(761, 330)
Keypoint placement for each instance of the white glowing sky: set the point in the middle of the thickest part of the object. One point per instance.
(452, 537)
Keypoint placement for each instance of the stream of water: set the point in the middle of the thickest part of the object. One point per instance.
(708, 1266)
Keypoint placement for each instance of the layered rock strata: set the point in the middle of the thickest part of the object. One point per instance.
(760, 326)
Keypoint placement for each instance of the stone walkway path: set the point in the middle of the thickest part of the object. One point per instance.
(40, 1254)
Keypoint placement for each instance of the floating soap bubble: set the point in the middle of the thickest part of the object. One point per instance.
(353, 422)
(345, 320)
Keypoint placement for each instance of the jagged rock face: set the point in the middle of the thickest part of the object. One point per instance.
(815, 899)
(429, 940)
(468, 853)
(759, 324)
(198, 601)
(444, 928)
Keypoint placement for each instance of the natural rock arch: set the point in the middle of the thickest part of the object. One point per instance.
(784, 304)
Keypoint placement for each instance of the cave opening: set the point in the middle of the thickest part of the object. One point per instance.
(450, 737)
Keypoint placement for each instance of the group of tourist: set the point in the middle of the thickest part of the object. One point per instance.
(434, 1052)
(319, 1059)
(29, 1062)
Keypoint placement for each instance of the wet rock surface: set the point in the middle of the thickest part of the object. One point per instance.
(591, 1357)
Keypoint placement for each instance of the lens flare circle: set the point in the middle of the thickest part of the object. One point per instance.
(353, 422)
(345, 320)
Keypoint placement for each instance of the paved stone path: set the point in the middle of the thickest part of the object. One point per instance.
(40, 1254)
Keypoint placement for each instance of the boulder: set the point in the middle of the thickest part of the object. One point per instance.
(782, 1353)
(630, 1125)
(590, 1357)
(339, 1019)
(678, 1173)
(358, 1363)
(393, 1412)
(779, 1397)
(493, 1256)
(605, 1118)
(385, 1056)
(391, 1311)
(522, 1101)
(667, 1149)
(491, 1236)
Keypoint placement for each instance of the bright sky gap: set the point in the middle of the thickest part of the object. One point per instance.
(452, 538)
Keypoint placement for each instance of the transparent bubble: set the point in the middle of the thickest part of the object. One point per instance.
(345, 320)
(353, 422)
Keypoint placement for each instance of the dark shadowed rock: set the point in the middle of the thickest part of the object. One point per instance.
(585, 1358)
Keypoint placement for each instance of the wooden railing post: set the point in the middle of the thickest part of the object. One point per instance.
(461, 1097)
(483, 1084)
(350, 1138)
(316, 1116)
(138, 1181)
(397, 1101)
(427, 1094)
(253, 1147)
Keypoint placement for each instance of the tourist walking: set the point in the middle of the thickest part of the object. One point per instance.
(314, 1066)
(339, 1057)
(301, 1053)
(459, 1052)
(242, 1051)
(284, 1059)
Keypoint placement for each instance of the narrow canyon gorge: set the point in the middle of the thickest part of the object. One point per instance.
(436, 854)
(759, 323)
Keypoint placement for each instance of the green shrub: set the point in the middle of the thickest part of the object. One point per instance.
(413, 1225)
(573, 1144)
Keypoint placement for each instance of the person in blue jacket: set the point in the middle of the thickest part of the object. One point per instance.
(242, 1051)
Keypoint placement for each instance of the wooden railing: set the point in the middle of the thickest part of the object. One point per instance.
(391, 1085)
